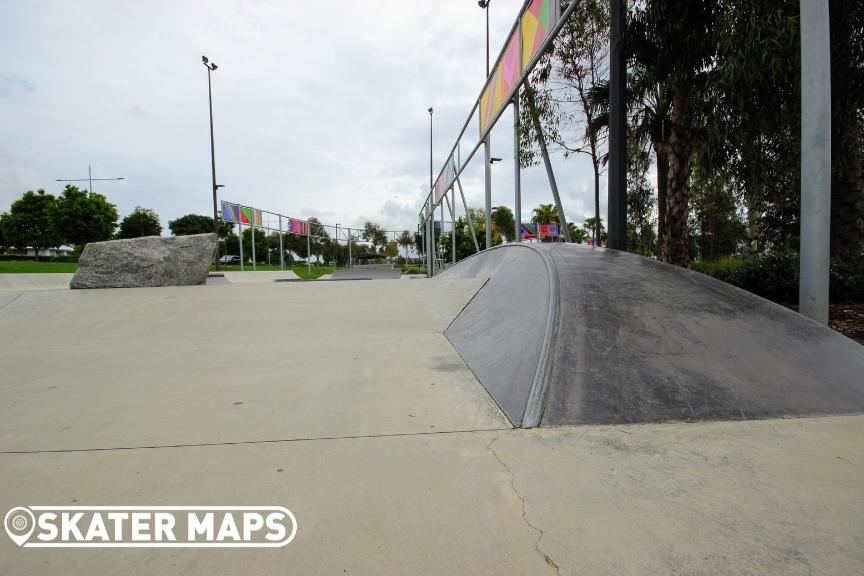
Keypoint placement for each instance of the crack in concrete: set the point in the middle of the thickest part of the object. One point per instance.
(540, 533)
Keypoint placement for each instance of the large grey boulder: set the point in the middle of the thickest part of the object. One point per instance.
(147, 261)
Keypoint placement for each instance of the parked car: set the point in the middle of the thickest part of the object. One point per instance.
(229, 259)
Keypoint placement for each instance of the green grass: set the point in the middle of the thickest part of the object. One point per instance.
(300, 269)
(31, 267)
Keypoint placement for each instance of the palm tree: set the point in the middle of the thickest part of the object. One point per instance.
(545, 214)
(405, 240)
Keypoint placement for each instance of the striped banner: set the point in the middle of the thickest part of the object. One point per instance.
(528, 231)
(298, 227)
(230, 212)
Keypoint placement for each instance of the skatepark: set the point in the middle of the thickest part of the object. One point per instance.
(396, 443)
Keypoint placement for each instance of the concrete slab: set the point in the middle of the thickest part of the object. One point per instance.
(26, 282)
(233, 363)
(778, 497)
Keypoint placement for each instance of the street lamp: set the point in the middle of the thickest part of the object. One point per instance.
(487, 144)
(89, 179)
(211, 66)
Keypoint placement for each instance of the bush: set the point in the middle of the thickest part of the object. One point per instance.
(775, 276)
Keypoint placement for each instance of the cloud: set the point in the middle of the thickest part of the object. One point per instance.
(319, 109)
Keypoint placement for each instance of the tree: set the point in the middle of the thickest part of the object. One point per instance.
(545, 214)
(374, 234)
(141, 222)
(590, 229)
(391, 249)
(198, 224)
(405, 240)
(28, 224)
(674, 42)
(261, 244)
(419, 244)
(79, 217)
(640, 202)
(578, 235)
(505, 223)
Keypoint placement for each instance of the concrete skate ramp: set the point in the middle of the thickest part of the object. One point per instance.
(367, 274)
(567, 334)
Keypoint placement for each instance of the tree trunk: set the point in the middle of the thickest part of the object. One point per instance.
(675, 245)
(662, 186)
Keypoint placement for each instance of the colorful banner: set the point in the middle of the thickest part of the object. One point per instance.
(548, 230)
(537, 22)
(298, 227)
(501, 84)
(230, 212)
(249, 215)
(439, 188)
(528, 230)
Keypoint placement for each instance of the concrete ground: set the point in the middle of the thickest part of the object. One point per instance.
(344, 402)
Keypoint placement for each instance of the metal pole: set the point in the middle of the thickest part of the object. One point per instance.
(453, 226)
(90, 173)
(553, 184)
(617, 183)
(213, 164)
(308, 248)
(487, 178)
(254, 259)
(336, 237)
(281, 250)
(468, 216)
(487, 148)
(240, 228)
(350, 256)
(517, 171)
(815, 160)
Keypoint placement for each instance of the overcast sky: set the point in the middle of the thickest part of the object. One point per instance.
(320, 107)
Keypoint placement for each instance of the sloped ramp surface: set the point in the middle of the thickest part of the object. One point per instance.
(567, 334)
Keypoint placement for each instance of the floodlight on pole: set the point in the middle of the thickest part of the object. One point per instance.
(211, 66)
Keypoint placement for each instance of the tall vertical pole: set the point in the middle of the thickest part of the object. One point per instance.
(453, 226)
(336, 238)
(308, 249)
(350, 256)
(90, 172)
(487, 152)
(213, 164)
(517, 171)
(240, 230)
(617, 203)
(281, 250)
(431, 226)
(815, 159)
(254, 259)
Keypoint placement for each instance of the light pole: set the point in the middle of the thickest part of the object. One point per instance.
(211, 66)
(430, 234)
(337, 246)
(487, 145)
(89, 179)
